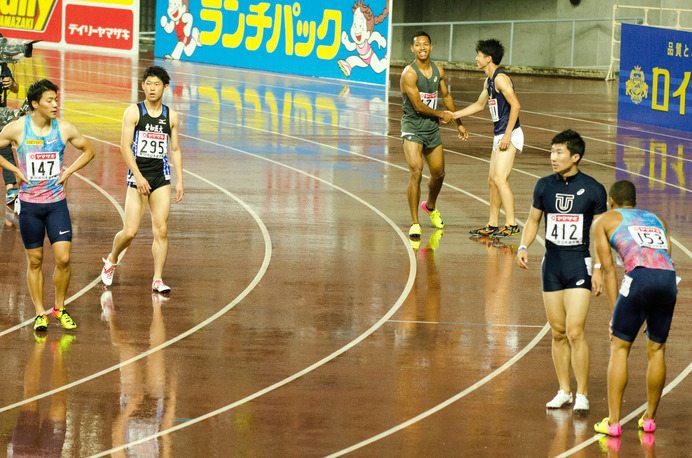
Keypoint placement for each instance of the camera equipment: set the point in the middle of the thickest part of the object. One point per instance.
(13, 50)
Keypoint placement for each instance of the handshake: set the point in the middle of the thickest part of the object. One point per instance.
(448, 116)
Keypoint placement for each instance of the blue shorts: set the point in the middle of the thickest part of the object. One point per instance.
(562, 269)
(645, 295)
(35, 220)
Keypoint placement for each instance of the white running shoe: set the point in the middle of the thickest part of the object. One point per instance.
(160, 287)
(107, 271)
(560, 400)
(581, 404)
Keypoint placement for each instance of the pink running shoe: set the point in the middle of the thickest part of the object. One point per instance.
(648, 425)
(604, 427)
(160, 287)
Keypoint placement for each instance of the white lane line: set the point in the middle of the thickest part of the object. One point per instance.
(395, 307)
(469, 324)
(451, 400)
(241, 296)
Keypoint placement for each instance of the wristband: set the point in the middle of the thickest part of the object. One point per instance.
(597, 265)
(522, 247)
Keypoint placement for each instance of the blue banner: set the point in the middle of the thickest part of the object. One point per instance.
(655, 70)
(341, 39)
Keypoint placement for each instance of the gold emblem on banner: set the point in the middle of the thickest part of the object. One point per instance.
(636, 86)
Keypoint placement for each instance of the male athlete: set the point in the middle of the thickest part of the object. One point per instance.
(149, 136)
(498, 94)
(571, 201)
(420, 84)
(648, 293)
(40, 138)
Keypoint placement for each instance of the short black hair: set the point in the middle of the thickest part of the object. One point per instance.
(158, 72)
(492, 48)
(623, 193)
(420, 33)
(572, 140)
(37, 89)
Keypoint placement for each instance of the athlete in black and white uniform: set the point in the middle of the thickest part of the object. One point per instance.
(149, 138)
(570, 201)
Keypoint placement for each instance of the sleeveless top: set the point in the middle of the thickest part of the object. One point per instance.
(428, 88)
(40, 160)
(150, 144)
(498, 105)
(641, 240)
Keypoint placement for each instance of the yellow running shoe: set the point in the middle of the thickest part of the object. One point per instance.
(65, 318)
(41, 323)
(414, 230)
(434, 215)
(604, 427)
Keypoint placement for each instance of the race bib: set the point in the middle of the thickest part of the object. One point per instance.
(492, 106)
(152, 145)
(42, 166)
(564, 229)
(429, 99)
(649, 237)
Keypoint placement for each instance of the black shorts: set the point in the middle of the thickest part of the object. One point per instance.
(35, 220)
(155, 182)
(645, 295)
(563, 269)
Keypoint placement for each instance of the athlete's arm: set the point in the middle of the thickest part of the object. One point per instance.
(504, 85)
(71, 135)
(409, 79)
(130, 120)
(665, 226)
(601, 229)
(13, 132)
(596, 274)
(475, 107)
(528, 236)
(176, 157)
(449, 104)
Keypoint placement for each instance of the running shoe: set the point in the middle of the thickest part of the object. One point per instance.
(41, 323)
(487, 230)
(434, 215)
(507, 231)
(648, 425)
(581, 404)
(560, 400)
(604, 427)
(11, 196)
(160, 287)
(64, 317)
(107, 271)
(414, 230)
(106, 306)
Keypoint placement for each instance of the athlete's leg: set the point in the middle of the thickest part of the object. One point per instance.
(577, 307)
(617, 377)
(555, 311)
(501, 163)
(414, 157)
(135, 206)
(34, 277)
(655, 375)
(160, 207)
(62, 271)
(436, 164)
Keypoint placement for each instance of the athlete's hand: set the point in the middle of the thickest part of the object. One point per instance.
(463, 133)
(20, 177)
(504, 141)
(597, 282)
(610, 330)
(178, 192)
(143, 186)
(447, 116)
(523, 259)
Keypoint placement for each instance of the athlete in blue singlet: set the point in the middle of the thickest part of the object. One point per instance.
(42, 206)
(570, 201)
(149, 138)
(647, 294)
(498, 94)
